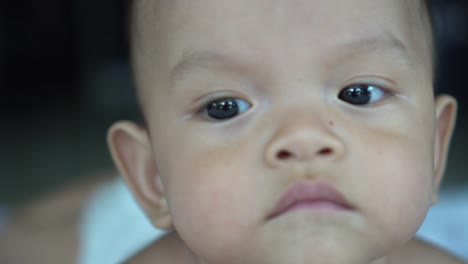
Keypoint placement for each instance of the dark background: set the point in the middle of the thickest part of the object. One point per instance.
(65, 77)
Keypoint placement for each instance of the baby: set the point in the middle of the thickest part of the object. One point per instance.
(299, 131)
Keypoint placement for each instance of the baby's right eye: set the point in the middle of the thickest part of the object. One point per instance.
(226, 108)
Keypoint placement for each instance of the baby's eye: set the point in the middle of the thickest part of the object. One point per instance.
(361, 94)
(226, 108)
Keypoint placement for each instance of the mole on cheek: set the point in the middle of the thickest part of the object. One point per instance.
(331, 123)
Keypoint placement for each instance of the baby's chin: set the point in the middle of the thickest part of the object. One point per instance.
(315, 251)
(306, 254)
(320, 250)
(294, 243)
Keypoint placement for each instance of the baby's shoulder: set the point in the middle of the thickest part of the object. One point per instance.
(420, 252)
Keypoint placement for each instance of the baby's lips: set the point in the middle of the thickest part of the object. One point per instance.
(310, 192)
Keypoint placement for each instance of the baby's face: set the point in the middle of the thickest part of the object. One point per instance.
(245, 99)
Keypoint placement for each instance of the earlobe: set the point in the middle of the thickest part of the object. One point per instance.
(131, 151)
(446, 111)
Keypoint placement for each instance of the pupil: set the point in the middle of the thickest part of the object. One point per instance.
(223, 109)
(358, 95)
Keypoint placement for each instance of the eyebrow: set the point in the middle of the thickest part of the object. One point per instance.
(191, 60)
(385, 42)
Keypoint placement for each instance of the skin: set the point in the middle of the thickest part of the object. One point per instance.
(216, 182)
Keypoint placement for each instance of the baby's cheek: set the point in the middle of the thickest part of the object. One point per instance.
(405, 188)
(206, 215)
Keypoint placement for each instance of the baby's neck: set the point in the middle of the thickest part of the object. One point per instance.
(171, 249)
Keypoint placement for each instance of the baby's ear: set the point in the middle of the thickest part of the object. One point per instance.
(446, 111)
(131, 150)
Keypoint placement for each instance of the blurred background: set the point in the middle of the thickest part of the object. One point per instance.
(65, 77)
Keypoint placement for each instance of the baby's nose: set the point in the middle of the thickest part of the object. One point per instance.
(303, 142)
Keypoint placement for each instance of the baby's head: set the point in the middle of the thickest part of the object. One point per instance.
(245, 101)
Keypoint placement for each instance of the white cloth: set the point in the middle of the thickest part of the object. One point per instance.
(114, 227)
(446, 224)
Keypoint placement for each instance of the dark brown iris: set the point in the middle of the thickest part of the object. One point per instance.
(222, 109)
(356, 94)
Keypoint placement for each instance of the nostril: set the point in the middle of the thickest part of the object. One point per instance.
(287, 155)
(325, 151)
(282, 155)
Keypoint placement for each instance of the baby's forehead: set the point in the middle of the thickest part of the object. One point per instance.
(161, 10)
(165, 31)
(171, 16)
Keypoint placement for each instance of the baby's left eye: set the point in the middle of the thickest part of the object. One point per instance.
(361, 94)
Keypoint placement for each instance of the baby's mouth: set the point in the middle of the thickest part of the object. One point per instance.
(306, 195)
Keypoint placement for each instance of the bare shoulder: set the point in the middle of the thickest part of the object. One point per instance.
(169, 249)
(420, 252)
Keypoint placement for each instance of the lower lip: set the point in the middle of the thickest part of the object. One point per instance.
(315, 205)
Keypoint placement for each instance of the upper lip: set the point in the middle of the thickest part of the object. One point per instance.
(309, 191)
